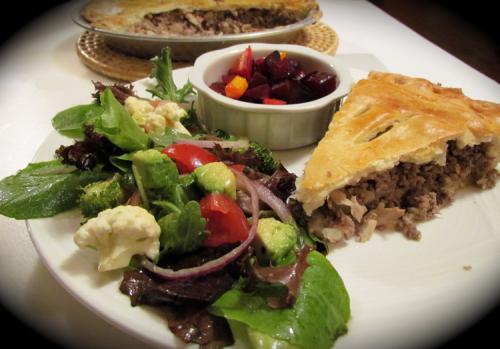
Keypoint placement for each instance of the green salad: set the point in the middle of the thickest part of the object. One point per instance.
(198, 221)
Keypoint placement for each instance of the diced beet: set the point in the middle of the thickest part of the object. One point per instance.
(299, 75)
(272, 58)
(299, 93)
(226, 79)
(281, 90)
(260, 66)
(274, 69)
(279, 70)
(218, 87)
(245, 98)
(295, 68)
(259, 92)
(257, 79)
(291, 91)
(320, 83)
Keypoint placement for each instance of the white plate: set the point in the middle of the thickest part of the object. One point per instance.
(404, 294)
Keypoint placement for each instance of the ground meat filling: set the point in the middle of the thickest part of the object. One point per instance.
(179, 22)
(399, 197)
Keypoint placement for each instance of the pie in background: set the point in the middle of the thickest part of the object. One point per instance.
(194, 17)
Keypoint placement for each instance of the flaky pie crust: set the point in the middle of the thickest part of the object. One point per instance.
(388, 118)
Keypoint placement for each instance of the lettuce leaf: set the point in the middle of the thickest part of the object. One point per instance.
(183, 231)
(166, 88)
(318, 317)
(170, 136)
(71, 122)
(44, 189)
(117, 125)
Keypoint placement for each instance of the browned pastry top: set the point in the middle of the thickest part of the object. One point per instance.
(388, 118)
(119, 15)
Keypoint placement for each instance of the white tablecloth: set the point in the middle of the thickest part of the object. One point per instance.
(41, 74)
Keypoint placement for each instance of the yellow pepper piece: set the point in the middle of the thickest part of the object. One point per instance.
(236, 87)
(282, 55)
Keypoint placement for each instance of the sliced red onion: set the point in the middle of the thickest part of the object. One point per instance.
(288, 275)
(243, 183)
(278, 206)
(242, 143)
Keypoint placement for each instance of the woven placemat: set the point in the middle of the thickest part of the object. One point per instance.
(96, 55)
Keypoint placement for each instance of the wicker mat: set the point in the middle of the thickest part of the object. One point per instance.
(96, 55)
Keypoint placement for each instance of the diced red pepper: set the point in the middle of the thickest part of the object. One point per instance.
(273, 101)
(237, 87)
(244, 65)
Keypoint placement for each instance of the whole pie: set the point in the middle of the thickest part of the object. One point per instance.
(394, 154)
(194, 17)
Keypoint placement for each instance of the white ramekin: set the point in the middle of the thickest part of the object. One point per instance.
(277, 127)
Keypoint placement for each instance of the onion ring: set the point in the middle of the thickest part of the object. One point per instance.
(278, 206)
(242, 143)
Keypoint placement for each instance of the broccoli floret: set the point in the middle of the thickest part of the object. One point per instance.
(224, 135)
(269, 165)
(102, 195)
(192, 123)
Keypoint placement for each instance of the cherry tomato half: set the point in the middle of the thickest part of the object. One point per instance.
(187, 157)
(225, 220)
(238, 167)
(244, 64)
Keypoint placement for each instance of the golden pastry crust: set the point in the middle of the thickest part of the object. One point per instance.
(118, 15)
(389, 118)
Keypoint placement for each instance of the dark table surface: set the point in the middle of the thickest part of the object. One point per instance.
(467, 31)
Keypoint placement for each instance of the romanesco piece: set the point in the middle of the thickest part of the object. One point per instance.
(101, 195)
(120, 233)
(268, 164)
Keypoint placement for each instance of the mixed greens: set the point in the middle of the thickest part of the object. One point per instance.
(198, 221)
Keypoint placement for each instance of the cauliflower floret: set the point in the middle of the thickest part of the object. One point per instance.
(154, 116)
(144, 114)
(138, 109)
(154, 124)
(170, 110)
(118, 234)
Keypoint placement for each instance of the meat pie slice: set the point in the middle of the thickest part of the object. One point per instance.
(394, 154)
(194, 17)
